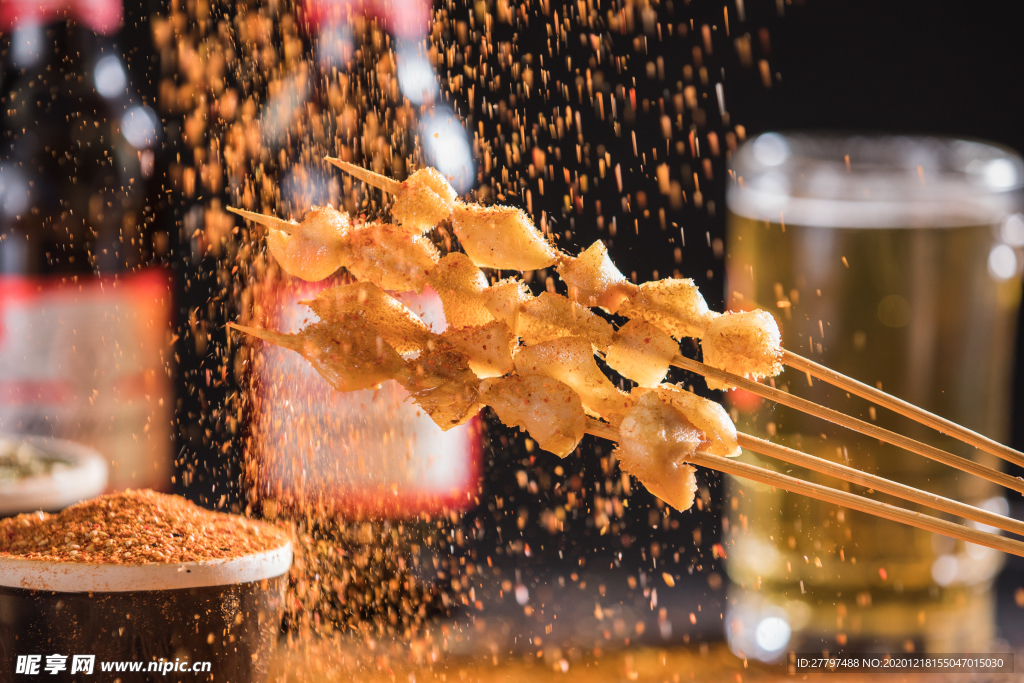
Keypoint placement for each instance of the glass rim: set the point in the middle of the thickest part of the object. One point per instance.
(883, 180)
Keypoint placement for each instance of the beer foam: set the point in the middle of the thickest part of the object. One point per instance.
(73, 577)
(874, 181)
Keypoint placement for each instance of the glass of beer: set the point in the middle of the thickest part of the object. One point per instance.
(895, 260)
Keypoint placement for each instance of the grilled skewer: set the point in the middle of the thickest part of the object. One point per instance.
(790, 359)
(562, 334)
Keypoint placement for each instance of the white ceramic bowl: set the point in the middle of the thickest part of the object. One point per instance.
(223, 614)
(73, 577)
(85, 478)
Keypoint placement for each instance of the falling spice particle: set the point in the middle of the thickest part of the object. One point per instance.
(391, 576)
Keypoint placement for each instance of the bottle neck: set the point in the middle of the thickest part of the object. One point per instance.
(68, 203)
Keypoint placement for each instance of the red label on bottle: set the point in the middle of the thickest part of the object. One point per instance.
(369, 452)
(87, 361)
(102, 16)
(404, 18)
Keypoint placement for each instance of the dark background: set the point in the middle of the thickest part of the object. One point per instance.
(953, 68)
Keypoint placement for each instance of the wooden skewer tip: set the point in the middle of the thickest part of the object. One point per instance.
(289, 341)
(265, 220)
(381, 182)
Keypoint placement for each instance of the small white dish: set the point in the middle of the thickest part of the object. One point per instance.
(85, 477)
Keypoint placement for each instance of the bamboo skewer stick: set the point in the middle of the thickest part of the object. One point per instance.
(902, 407)
(381, 182)
(288, 341)
(855, 502)
(601, 430)
(855, 476)
(834, 416)
(829, 495)
(269, 221)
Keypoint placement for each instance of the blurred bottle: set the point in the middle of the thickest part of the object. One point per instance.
(367, 454)
(84, 323)
(894, 260)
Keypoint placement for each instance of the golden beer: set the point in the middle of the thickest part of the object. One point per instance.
(895, 261)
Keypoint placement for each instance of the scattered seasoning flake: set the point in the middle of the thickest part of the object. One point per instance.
(884, 574)
(669, 581)
(135, 527)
